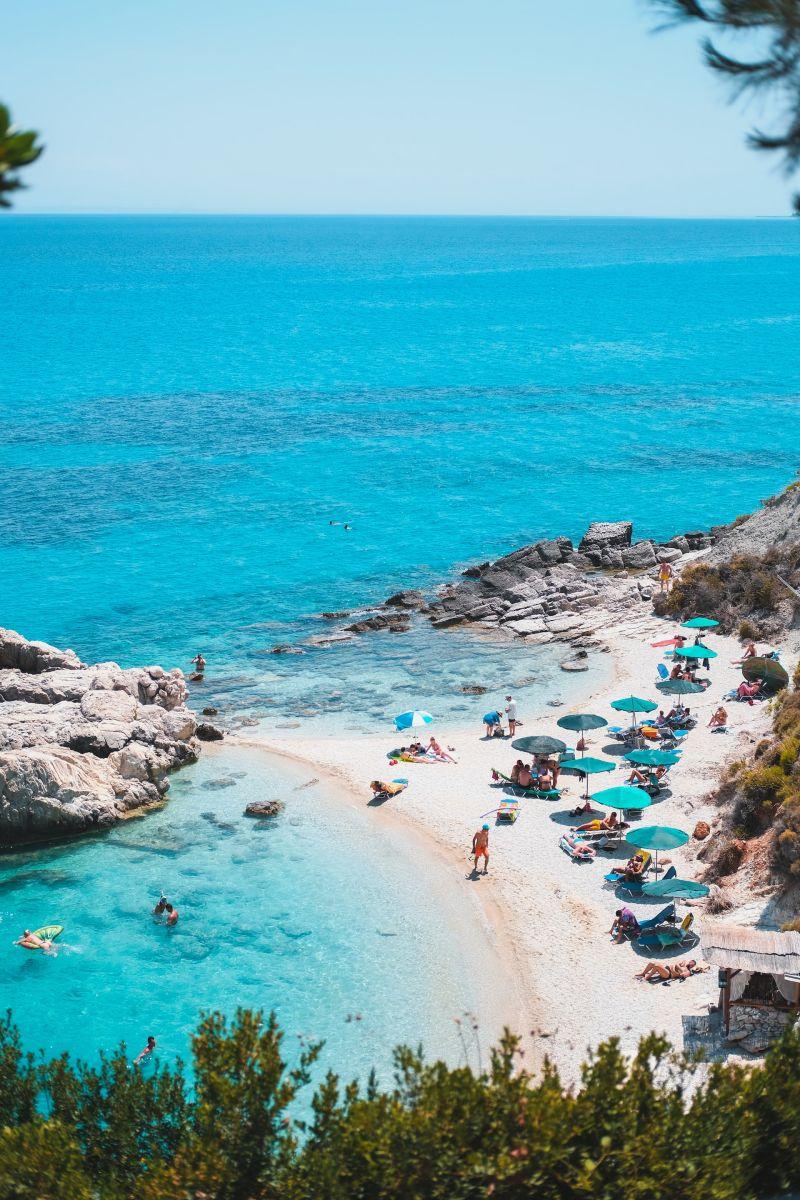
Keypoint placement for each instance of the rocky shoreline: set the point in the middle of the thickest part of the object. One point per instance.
(84, 746)
(548, 591)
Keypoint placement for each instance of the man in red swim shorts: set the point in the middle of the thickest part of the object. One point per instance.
(480, 848)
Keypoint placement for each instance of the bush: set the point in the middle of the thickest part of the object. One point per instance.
(650, 1125)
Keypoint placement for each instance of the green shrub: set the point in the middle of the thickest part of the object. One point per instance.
(647, 1126)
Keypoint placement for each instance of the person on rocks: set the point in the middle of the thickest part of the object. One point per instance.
(511, 713)
(666, 575)
(148, 1050)
(480, 848)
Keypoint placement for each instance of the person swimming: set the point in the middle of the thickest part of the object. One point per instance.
(148, 1050)
(172, 914)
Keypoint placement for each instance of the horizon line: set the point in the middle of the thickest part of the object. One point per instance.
(392, 216)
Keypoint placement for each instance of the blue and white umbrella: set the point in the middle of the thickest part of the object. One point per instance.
(413, 719)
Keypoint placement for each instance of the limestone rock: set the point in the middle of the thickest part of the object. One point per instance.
(606, 534)
(263, 808)
(79, 745)
(639, 556)
(209, 733)
(701, 830)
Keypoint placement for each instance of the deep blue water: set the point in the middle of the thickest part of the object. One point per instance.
(187, 403)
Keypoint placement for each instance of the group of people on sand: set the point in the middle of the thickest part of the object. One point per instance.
(493, 720)
(544, 774)
(433, 752)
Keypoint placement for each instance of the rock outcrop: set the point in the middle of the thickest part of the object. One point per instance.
(83, 746)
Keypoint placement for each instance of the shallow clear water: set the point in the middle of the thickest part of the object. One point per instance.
(309, 914)
(185, 406)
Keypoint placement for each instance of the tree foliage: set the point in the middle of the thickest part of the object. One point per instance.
(236, 1128)
(771, 30)
(18, 148)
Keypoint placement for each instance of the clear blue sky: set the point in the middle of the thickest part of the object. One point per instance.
(375, 106)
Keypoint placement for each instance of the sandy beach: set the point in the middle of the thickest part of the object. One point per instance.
(548, 917)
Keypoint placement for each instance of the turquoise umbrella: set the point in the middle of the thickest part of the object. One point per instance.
(700, 623)
(630, 798)
(580, 722)
(657, 837)
(587, 766)
(653, 758)
(680, 687)
(413, 719)
(676, 889)
(634, 705)
(696, 652)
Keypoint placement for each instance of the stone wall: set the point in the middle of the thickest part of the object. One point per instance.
(754, 1029)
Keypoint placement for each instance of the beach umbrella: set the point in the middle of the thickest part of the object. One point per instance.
(539, 745)
(580, 722)
(624, 797)
(695, 652)
(768, 670)
(700, 623)
(653, 758)
(676, 889)
(413, 719)
(587, 766)
(634, 705)
(657, 837)
(680, 687)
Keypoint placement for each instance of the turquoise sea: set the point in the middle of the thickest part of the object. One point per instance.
(185, 406)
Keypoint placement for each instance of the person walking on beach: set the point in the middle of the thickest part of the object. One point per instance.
(666, 575)
(511, 713)
(480, 848)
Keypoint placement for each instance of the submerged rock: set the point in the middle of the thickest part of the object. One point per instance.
(263, 808)
(209, 733)
(82, 746)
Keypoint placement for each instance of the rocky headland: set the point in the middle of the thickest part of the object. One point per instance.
(548, 591)
(84, 746)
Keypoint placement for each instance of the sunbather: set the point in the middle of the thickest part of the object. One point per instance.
(515, 770)
(609, 822)
(634, 868)
(749, 652)
(382, 791)
(719, 719)
(575, 848)
(748, 691)
(436, 751)
(586, 807)
(545, 779)
(664, 972)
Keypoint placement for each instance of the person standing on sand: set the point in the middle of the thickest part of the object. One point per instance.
(511, 713)
(480, 848)
(666, 576)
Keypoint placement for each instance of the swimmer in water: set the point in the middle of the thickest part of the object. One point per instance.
(148, 1050)
(32, 941)
(160, 908)
(199, 663)
(172, 914)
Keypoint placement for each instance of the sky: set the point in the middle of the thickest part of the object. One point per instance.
(541, 107)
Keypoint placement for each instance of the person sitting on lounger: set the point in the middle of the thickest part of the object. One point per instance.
(637, 777)
(634, 868)
(515, 770)
(608, 822)
(677, 671)
(719, 719)
(748, 691)
(525, 778)
(664, 972)
(624, 925)
(545, 778)
(382, 791)
(586, 807)
(576, 848)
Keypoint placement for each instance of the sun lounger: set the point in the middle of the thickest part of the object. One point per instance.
(508, 810)
(532, 790)
(663, 673)
(666, 938)
(634, 887)
(666, 916)
(576, 849)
